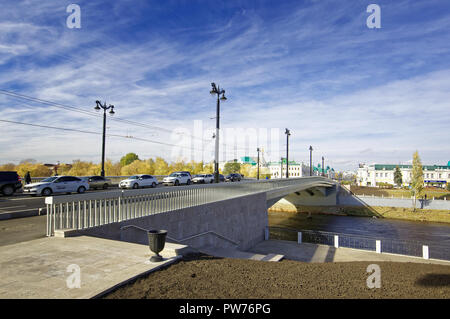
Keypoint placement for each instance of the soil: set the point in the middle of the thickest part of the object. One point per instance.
(201, 276)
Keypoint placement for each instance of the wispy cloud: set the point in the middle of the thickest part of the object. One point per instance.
(312, 66)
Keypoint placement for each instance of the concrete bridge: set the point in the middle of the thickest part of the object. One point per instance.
(217, 215)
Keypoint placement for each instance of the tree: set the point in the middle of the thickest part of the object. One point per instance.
(128, 159)
(137, 167)
(398, 177)
(161, 166)
(416, 177)
(231, 167)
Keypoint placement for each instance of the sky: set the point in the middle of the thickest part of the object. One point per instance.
(355, 94)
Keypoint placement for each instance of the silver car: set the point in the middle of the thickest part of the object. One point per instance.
(57, 184)
(138, 181)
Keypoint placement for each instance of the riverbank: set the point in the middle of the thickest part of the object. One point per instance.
(201, 276)
(400, 213)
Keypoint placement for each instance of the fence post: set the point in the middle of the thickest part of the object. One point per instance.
(425, 252)
(266, 233)
(378, 246)
(336, 241)
(299, 237)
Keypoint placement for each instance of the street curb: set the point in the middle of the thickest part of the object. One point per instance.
(134, 278)
(25, 213)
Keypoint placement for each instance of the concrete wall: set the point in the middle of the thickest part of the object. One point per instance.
(396, 202)
(241, 219)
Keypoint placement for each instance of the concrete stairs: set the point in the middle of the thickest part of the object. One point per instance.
(234, 253)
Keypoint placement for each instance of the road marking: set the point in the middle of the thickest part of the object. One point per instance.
(3, 208)
(20, 210)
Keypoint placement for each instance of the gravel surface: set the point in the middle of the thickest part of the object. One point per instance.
(200, 276)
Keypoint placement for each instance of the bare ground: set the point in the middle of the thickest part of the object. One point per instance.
(201, 276)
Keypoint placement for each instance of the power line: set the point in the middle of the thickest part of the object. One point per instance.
(79, 110)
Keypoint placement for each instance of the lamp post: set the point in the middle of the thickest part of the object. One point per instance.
(288, 133)
(310, 160)
(281, 168)
(323, 167)
(98, 107)
(257, 174)
(218, 91)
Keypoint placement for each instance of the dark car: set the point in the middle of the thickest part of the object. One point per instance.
(9, 183)
(221, 178)
(233, 177)
(98, 182)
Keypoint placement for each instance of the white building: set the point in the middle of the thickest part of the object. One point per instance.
(372, 175)
(278, 169)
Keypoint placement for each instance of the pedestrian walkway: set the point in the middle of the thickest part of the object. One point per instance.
(42, 268)
(321, 253)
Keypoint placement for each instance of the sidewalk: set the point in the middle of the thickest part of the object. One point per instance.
(39, 268)
(321, 253)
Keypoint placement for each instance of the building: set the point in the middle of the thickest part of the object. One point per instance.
(373, 175)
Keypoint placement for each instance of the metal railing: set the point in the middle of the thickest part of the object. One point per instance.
(386, 245)
(96, 209)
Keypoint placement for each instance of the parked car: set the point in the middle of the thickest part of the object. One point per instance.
(138, 181)
(10, 182)
(57, 184)
(221, 178)
(233, 177)
(177, 178)
(203, 179)
(98, 182)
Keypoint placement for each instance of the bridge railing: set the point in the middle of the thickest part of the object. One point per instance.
(412, 248)
(100, 208)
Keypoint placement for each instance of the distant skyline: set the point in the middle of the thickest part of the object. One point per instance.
(357, 95)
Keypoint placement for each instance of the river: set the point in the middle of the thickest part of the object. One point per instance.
(426, 232)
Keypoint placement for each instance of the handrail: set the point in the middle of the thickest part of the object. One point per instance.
(187, 238)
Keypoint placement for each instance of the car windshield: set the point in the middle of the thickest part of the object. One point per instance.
(133, 177)
(174, 175)
(50, 179)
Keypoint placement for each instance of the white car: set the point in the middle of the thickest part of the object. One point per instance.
(203, 179)
(138, 181)
(177, 178)
(57, 184)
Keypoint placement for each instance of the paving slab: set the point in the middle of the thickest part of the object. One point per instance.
(40, 268)
(307, 252)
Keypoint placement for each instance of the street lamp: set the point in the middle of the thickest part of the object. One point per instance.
(323, 167)
(98, 107)
(257, 174)
(310, 160)
(218, 91)
(288, 133)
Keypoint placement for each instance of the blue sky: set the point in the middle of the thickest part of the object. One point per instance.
(355, 94)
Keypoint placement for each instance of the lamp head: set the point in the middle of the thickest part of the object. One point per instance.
(223, 98)
(97, 108)
(112, 110)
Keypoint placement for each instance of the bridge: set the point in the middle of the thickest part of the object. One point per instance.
(215, 214)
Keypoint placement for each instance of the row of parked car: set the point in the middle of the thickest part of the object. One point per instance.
(11, 182)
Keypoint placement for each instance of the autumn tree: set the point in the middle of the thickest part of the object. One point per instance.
(416, 177)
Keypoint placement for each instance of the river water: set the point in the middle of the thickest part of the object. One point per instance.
(426, 232)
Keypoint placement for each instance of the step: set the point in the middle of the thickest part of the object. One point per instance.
(238, 254)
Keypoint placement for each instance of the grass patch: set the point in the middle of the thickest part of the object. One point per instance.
(375, 191)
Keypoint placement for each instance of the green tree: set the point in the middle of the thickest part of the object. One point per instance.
(161, 166)
(128, 159)
(398, 179)
(231, 167)
(416, 178)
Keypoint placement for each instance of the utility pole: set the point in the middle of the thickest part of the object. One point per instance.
(310, 160)
(257, 174)
(288, 133)
(98, 107)
(218, 91)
